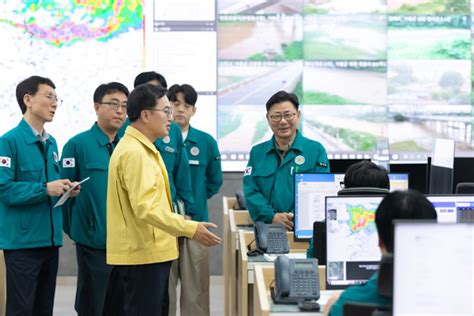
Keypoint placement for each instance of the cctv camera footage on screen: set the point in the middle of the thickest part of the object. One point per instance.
(367, 72)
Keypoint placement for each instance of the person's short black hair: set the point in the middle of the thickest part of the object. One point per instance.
(366, 174)
(108, 88)
(30, 86)
(148, 76)
(190, 95)
(143, 97)
(401, 205)
(282, 96)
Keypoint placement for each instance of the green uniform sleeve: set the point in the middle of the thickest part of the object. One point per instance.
(182, 177)
(322, 162)
(12, 191)
(71, 173)
(214, 171)
(310, 250)
(259, 207)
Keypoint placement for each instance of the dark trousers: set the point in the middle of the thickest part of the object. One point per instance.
(92, 280)
(136, 290)
(31, 280)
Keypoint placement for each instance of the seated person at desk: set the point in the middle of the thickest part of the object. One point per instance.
(268, 179)
(397, 205)
(362, 174)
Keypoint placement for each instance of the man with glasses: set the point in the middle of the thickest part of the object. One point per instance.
(174, 156)
(141, 227)
(268, 181)
(30, 228)
(87, 155)
(192, 266)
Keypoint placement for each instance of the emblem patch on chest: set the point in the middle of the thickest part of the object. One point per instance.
(69, 162)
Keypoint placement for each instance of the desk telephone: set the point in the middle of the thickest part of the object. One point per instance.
(271, 238)
(295, 280)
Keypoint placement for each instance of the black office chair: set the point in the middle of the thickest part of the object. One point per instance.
(385, 288)
(365, 309)
(385, 280)
(241, 203)
(465, 188)
(363, 191)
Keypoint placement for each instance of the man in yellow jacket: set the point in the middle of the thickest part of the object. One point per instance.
(141, 227)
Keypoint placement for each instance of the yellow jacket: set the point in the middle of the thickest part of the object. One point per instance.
(141, 228)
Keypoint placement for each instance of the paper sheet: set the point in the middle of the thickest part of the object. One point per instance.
(66, 195)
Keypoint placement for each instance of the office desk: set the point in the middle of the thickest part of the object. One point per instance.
(233, 220)
(2, 284)
(246, 267)
(227, 203)
(262, 301)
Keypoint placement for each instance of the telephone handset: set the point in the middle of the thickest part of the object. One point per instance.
(271, 238)
(295, 280)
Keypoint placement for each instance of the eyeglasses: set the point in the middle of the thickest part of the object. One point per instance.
(114, 105)
(53, 98)
(289, 116)
(167, 111)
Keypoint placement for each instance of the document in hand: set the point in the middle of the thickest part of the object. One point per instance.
(66, 195)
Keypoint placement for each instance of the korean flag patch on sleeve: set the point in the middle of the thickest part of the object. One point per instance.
(5, 162)
(248, 171)
(69, 162)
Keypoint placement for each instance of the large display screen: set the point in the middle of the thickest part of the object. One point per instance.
(368, 73)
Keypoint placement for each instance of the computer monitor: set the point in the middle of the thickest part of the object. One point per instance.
(453, 208)
(433, 269)
(352, 252)
(399, 181)
(311, 190)
(418, 174)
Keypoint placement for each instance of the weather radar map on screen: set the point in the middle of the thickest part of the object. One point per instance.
(78, 44)
(352, 239)
(369, 74)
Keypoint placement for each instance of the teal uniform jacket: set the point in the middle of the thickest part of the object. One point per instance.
(172, 151)
(206, 171)
(87, 155)
(269, 186)
(365, 293)
(27, 216)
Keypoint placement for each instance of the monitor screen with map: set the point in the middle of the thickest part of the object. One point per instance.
(312, 188)
(353, 254)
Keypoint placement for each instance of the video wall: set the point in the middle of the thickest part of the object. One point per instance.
(373, 76)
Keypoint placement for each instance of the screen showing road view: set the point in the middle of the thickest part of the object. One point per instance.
(373, 76)
(364, 71)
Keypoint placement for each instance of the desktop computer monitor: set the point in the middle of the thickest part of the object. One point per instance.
(310, 191)
(352, 252)
(453, 208)
(418, 174)
(312, 188)
(399, 181)
(433, 268)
